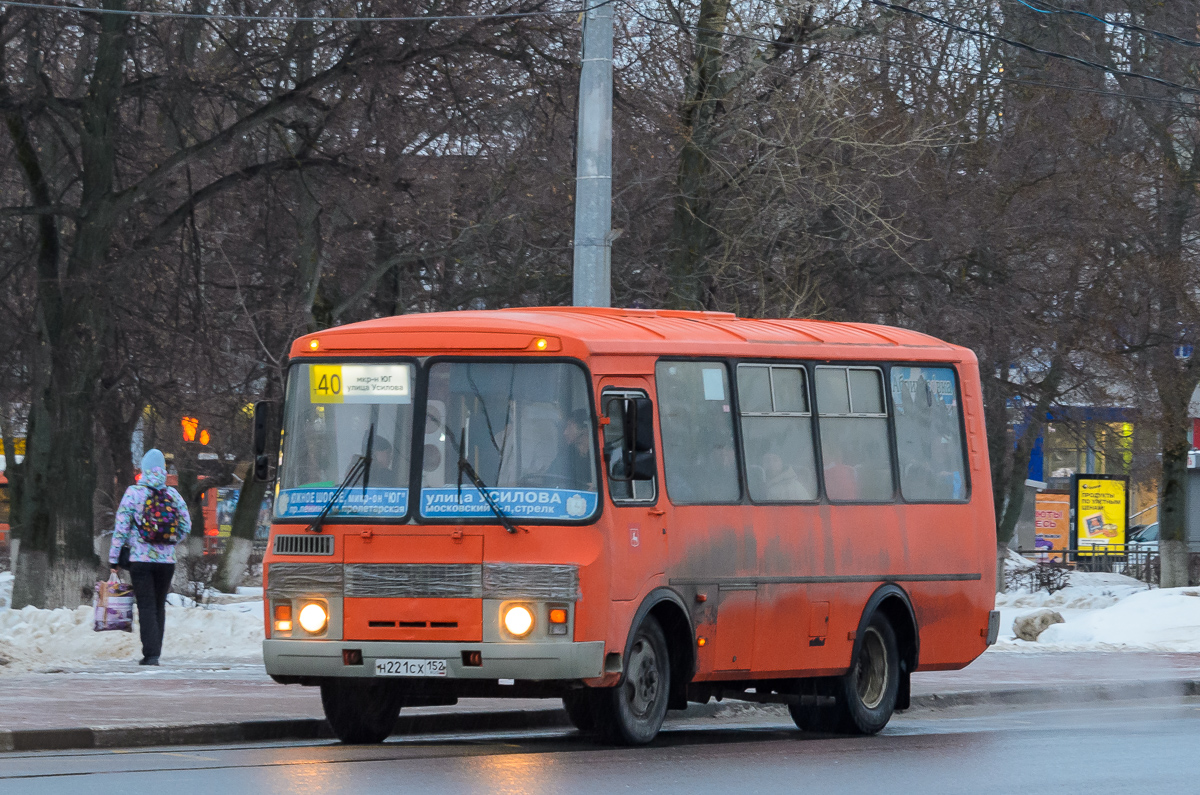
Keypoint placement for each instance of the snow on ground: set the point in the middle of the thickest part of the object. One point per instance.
(1103, 612)
(1106, 612)
(40, 640)
(1165, 619)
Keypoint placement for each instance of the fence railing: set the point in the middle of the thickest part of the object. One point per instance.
(1141, 563)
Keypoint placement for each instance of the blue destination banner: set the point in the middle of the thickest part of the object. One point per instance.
(518, 503)
(304, 503)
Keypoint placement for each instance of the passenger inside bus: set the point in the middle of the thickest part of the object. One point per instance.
(841, 479)
(383, 474)
(574, 459)
(781, 483)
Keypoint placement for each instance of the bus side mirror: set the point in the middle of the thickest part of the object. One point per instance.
(264, 426)
(643, 424)
(636, 459)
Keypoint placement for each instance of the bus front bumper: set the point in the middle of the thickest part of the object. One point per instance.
(528, 661)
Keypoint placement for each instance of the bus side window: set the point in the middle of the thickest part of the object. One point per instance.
(929, 440)
(855, 450)
(697, 432)
(629, 456)
(777, 436)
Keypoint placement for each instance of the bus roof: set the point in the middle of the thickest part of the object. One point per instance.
(598, 331)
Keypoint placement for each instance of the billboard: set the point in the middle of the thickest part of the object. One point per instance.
(1101, 513)
(1052, 523)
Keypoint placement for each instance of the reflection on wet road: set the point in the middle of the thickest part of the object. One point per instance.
(1110, 747)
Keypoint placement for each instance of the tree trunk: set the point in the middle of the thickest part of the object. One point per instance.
(1172, 496)
(241, 537)
(1001, 561)
(57, 563)
(691, 227)
(1011, 492)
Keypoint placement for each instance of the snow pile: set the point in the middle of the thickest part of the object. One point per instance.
(1014, 561)
(1161, 620)
(37, 640)
(6, 585)
(1104, 612)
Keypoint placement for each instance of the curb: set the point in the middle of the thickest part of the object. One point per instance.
(1077, 694)
(268, 730)
(550, 718)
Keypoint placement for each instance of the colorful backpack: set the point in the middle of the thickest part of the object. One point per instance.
(159, 522)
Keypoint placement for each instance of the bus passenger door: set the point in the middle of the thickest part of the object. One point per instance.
(636, 522)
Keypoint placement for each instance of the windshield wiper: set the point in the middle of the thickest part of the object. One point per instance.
(367, 465)
(464, 466)
(361, 466)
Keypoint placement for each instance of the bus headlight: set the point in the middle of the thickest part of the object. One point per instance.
(313, 618)
(518, 620)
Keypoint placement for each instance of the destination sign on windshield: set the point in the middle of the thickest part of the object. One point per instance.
(359, 383)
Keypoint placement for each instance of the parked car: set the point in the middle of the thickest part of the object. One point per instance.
(1144, 537)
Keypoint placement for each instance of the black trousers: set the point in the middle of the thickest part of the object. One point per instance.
(151, 584)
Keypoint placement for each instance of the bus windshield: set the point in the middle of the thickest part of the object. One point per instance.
(525, 428)
(333, 410)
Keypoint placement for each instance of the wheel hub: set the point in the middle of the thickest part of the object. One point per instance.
(642, 679)
(871, 670)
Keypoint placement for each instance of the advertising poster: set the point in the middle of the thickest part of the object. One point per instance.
(226, 505)
(1052, 523)
(1101, 513)
(227, 500)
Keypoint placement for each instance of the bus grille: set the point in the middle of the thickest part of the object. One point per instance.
(303, 545)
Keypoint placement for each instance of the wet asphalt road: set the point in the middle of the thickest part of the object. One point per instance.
(1100, 748)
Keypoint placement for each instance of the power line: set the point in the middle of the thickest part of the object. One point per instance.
(1030, 48)
(66, 9)
(1122, 25)
(924, 67)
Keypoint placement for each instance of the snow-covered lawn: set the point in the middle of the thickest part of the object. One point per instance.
(1106, 612)
(38, 640)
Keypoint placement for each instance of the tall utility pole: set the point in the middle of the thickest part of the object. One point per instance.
(593, 166)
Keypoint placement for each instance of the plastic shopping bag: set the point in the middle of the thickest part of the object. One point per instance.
(113, 606)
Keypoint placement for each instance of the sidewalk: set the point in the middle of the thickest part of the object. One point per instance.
(124, 705)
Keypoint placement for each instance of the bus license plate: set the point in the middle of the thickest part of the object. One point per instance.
(410, 667)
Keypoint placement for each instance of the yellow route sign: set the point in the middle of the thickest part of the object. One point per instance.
(325, 383)
(360, 383)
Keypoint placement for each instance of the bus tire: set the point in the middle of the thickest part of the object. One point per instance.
(865, 696)
(632, 712)
(579, 707)
(361, 711)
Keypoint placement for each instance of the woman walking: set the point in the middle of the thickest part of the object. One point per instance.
(151, 520)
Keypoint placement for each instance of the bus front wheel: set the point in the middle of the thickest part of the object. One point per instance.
(865, 696)
(633, 712)
(361, 711)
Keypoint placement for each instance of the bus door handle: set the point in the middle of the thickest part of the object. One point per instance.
(656, 512)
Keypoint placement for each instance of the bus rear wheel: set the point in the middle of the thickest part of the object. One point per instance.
(361, 711)
(632, 712)
(865, 696)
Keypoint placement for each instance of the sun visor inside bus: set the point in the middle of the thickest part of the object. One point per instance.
(443, 341)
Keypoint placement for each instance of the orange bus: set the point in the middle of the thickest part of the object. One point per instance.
(629, 510)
